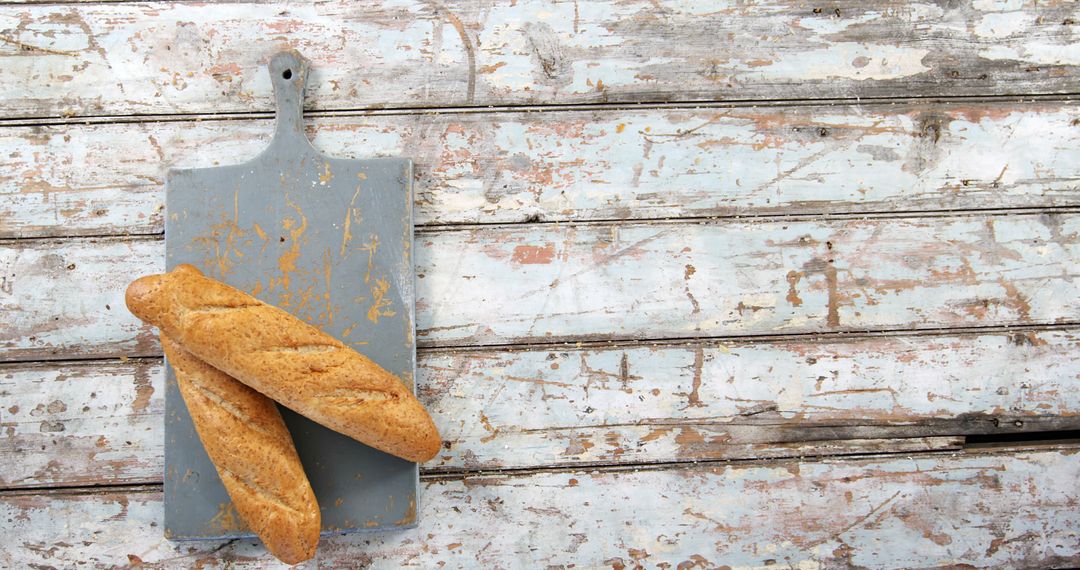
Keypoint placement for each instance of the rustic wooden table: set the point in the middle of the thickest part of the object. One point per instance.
(700, 284)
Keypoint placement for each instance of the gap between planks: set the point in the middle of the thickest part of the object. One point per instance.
(434, 228)
(766, 217)
(466, 475)
(944, 100)
(904, 446)
(823, 337)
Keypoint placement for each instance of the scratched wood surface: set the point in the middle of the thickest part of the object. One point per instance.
(536, 283)
(686, 233)
(629, 404)
(985, 509)
(582, 164)
(165, 57)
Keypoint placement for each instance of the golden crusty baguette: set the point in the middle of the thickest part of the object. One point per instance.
(287, 360)
(244, 435)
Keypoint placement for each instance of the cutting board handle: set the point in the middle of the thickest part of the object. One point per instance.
(288, 72)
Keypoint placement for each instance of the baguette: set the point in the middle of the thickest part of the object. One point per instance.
(286, 359)
(244, 435)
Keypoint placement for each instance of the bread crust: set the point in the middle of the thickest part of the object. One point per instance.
(246, 438)
(287, 360)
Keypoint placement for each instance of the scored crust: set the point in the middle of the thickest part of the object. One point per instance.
(246, 438)
(287, 360)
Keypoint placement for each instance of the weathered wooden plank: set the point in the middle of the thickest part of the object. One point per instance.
(1000, 510)
(173, 57)
(552, 283)
(704, 401)
(673, 280)
(100, 423)
(583, 165)
(59, 295)
(82, 424)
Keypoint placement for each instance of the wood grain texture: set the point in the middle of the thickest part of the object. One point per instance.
(100, 423)
(51, 279)
(82, 424)
(986, 509)
(714, 401)
(677, 280)
(582, 165)
(166, 57)
(515, 284)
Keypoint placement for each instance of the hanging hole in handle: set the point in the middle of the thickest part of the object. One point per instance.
(287, 74)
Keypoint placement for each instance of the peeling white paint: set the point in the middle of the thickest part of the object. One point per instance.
(1052, 54)
(827, 23)
(845, 61)
(1002, 25)
(998, 5)
(1046, 54)
(591, 76)
(999, 52)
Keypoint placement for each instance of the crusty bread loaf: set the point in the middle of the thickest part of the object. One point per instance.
(286, 359)
(244, 435)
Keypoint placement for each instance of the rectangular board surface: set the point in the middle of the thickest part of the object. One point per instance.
(329, 241)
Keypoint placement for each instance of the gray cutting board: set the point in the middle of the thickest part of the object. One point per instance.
(330, 241)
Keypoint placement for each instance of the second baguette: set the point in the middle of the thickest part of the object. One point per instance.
(286, 359)
(245, 437)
